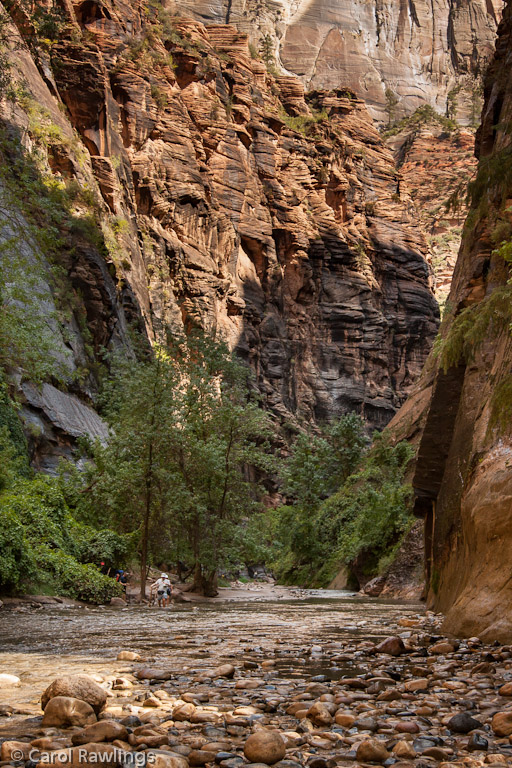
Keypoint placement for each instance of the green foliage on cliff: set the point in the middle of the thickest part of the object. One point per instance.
(467, 330)
(364, 517)
(303, 123)
(422, 116)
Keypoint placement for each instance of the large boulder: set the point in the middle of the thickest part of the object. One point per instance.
(157, 759)
(65, 711)
(105, 730)
(77, 687)
(265, 747)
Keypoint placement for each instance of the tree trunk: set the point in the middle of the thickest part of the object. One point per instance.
(144, 554)
(205, 583)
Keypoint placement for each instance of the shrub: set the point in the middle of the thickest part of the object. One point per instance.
(76, 580)
(16, 563)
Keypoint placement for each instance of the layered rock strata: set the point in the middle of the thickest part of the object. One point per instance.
(437, 165)
(419, 52)
(231, 200)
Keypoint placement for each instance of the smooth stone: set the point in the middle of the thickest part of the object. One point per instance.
(438, 753)
(265, 747)
(441, 648)
(15, 750)
(501, 723)
(407, 726)
(64, 711)
(404, 749)
(344, 719)
(366, 724)
(9, 681)
(319, 714)
(393, 646)
(132, 721)
(150, 673)
(128, 656)
(76, 687)
(419, 684)
(199, 757)
(371, 751)
(225, 670)
(161, 759)
(506, 690)
(463, 723)
(105, 730)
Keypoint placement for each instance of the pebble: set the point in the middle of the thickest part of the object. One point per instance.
(463, 723)
(424, 706)
(9, 681)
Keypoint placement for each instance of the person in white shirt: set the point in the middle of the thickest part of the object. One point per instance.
(163, 590)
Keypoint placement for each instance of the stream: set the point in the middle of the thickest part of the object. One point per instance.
(38, 645)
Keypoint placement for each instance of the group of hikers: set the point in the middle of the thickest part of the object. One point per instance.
(160, 591)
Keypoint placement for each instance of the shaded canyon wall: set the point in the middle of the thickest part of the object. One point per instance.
(461, 410)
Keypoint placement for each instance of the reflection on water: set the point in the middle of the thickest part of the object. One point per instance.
(37, 645)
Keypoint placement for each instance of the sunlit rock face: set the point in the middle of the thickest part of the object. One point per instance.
(420, 51)
(236, 202)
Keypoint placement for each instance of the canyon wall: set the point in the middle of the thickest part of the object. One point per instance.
(461, 411)
(417, 51)
(226, 198)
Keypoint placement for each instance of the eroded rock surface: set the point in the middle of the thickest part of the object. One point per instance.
(419, 51)
(463, 476)
(232, 200)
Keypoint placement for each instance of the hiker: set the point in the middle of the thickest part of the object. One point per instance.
(163, 590)
(122, 579)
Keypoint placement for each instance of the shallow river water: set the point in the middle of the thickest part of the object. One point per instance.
(37, 645)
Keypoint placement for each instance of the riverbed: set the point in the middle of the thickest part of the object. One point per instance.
(38, 645)
(289, 678)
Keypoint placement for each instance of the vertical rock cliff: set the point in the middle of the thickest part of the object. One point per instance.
(418, 52)
(227, 198)
(463, 476)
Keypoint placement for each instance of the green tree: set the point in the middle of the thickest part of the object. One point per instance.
(317, 467)
(185, 439)
(452, 102)
(266, 49)
(391, 105)
(319, 464)
(361, 510)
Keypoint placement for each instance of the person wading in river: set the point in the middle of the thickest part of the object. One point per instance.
(163, 590)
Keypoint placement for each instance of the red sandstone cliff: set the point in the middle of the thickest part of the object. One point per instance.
(230, 199)
(420, 52)
(462, 410)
